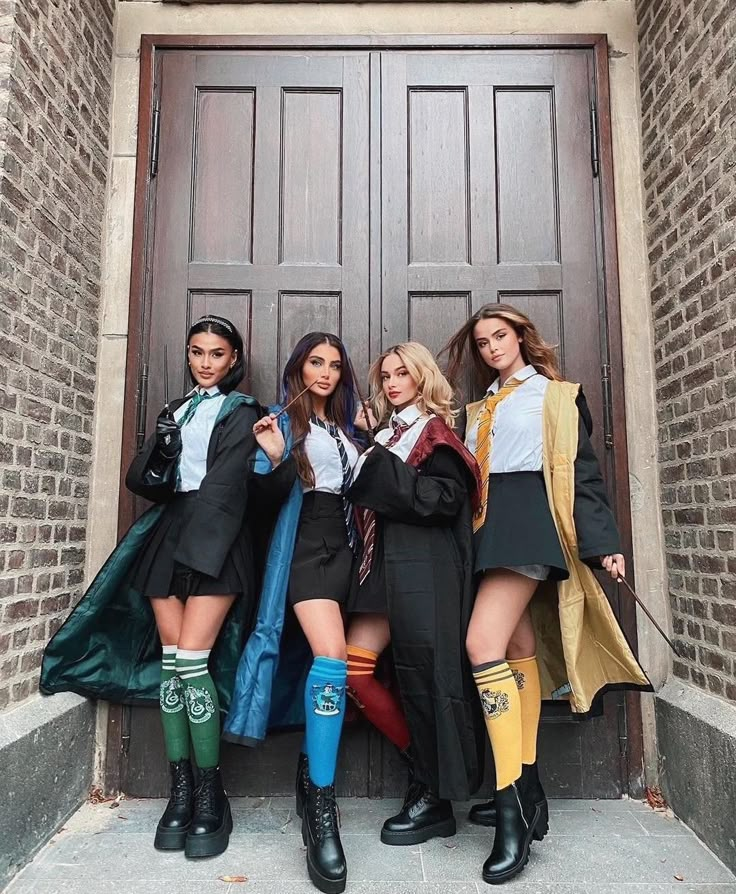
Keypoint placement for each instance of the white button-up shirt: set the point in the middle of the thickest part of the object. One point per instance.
(324, 457)
(195, 437)
(517, 425)
(411, 416)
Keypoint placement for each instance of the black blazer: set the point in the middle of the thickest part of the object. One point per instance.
(224, 494)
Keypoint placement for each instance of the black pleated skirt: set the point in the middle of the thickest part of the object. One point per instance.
(154, 576)
(323, 565)
(519, 529)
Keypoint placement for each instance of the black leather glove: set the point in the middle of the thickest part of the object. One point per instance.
(185, 580)
(168, 435)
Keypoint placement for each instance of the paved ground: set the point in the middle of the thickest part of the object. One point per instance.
(593, 846)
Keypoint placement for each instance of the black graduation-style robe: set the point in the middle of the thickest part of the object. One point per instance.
(424, 517)
(595, 524)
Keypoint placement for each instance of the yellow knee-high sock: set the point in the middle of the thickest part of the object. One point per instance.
(526, 674)
(499, 698)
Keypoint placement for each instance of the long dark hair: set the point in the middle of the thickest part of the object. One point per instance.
(534, 349)
(340, 407)
(227, 330)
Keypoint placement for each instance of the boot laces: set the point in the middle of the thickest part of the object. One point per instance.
(327, 814)
(414, 793)
(204, 799)
(181, 788)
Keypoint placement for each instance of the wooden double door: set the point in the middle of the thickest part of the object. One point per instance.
(383, 194)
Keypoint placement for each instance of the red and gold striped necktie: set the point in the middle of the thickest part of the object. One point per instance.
(483, 445)
(369, 516)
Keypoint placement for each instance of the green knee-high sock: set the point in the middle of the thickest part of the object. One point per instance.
(203, 706)
(173, 713)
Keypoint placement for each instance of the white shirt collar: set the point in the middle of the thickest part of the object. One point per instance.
(521, 376)
(198, 389)
(408, 415)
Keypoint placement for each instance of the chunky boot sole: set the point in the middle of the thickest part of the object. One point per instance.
(446, 829)
(499, 878)
(170, 839)
(542, 825)
(326, 885)
(210, 844)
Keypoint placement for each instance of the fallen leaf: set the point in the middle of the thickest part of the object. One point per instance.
(233, 879)
(450, 845)
(679, 878)
(655, 799)
(120, 816)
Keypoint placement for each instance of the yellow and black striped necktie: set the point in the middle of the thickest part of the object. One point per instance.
(483, 445)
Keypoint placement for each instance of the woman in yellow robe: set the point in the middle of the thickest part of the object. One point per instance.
(544, 515)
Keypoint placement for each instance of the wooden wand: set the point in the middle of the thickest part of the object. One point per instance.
(622, 580)
(292, 401)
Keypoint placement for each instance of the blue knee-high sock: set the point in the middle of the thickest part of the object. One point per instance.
(324, 702)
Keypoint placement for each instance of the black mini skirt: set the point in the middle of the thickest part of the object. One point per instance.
(154, 575)
(323, 565)
(519, 529)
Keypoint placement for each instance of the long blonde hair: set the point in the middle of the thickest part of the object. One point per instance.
(435, 393)
(534, 349)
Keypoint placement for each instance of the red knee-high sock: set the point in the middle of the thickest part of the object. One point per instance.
(378, 704)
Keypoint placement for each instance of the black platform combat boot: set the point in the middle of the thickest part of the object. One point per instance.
(171, 832)
(515, 824)
(422, 817)
(302, 783)
(212, 823)
(531, 792)
(321, 834)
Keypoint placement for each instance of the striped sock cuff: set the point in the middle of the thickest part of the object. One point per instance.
(493, 672)
(168, 659)
(191, 663)
(361, 662)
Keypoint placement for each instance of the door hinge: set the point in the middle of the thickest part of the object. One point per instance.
(594, 155)
(140, 425)
(607, 408)
(623, 745)
(155, 137)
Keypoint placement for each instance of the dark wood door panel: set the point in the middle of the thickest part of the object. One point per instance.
(261, 204)
(383, 195)
(489, 196)
(488, 190)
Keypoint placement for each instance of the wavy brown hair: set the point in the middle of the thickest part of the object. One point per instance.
(435, 394)
(534, 349)
(340, 407)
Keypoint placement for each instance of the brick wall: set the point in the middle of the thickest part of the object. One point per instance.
(55, 74)
(688, 88)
